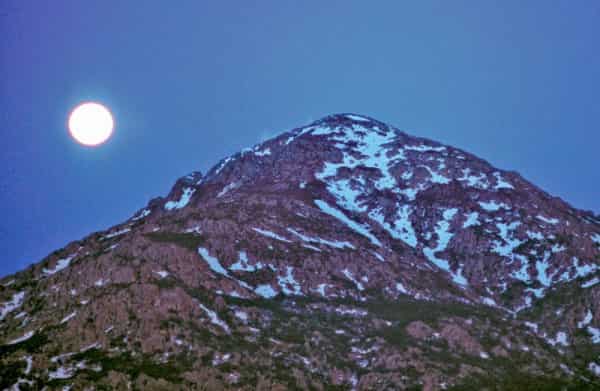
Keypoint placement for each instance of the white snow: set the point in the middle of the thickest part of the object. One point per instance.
(227, 188)
(13, 304)
(270, 234)
(215, 319)
(535, 235)
(193, 230)
(60, 265)
(480, 181)
(548, 220)
(472, 219)
(357, 118)
(336, 244)
(522, 273)
(424, 148)
(596, 238)
(321, 289)
(594, 368)
(142, 214)
(68, 317)
(510, 243)
(350, 276)
(590, 283)
(400, 288)
(223, 164)
(117, 233)
(560, 339)
(586, 320)
(264, 152)
(583, 270)
(350, 223)
(241, 315)
(378, 256)
(493, 206)
(444, 236)
(351, 311)
(183, 200)
(437, 177)
(288, 280)
(595, 333)
(62, 373)
(29, 361)
(101, 282)
(162, 273)
(213, 262)
(25, 337)
(243, 265)
(532, 326)
(484, 355)
(266, 291)
(541, 267)
(311, 247)
(501, 183)
(488, 301)
(402, 228)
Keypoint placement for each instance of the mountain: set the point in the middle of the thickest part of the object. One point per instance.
(341, 255)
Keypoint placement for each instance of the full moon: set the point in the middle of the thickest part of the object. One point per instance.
(91, 124)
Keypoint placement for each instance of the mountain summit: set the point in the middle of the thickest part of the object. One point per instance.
(345, 254)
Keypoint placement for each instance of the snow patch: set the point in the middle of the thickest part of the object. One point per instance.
(9, 306)
(547, 220)
(25, 337)
(213, 262)
(288, 280)
(212, 315)
(501, 183)
(115, 234)
(60, 265)
(227, 188)
(361, 229)
(68, 317)
(162, 273)
(183, 200)
(472, 219)
(594, 368)
(350, 276)
(586, 320)
(266, 291)
(402, 228)
(270, 234)
(243, 264)
(493, 206)
(559, 339)
(587, 284)
(444, 237)
(264, 152)
(336, 244)
(141, 215)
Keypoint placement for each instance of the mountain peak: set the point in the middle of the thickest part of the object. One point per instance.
(358, 255)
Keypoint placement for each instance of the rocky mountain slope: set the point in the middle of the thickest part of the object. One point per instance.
(345, 254)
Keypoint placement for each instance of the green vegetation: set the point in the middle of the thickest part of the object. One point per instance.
(10, 373)
(32, 345)
(518, 381)
(132, 366)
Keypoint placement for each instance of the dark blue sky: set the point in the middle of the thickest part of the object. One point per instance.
(514, 82)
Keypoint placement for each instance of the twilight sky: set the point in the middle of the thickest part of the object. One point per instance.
(517, 83)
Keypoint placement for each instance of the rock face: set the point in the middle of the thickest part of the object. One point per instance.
(345, 254)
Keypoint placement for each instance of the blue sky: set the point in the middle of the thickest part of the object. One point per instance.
(191, 82)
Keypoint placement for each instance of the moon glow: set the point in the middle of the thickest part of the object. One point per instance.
(91, 124)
